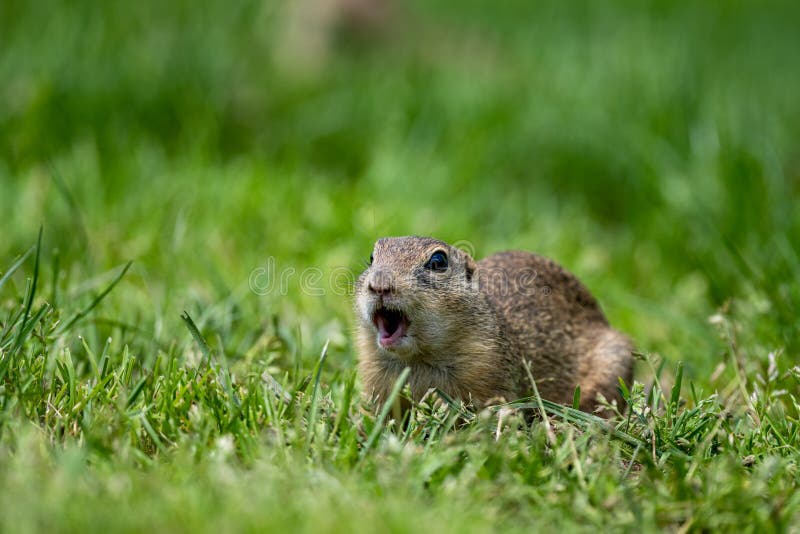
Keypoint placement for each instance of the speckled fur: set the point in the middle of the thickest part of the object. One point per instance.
(472, 326)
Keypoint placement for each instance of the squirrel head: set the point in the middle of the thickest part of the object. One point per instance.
(411, 299)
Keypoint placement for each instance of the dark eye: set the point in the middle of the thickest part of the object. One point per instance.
(371, 258)
(438, 261)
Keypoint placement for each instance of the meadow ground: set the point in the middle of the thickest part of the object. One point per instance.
(650, 147)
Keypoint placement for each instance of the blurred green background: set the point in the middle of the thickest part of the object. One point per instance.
(651, 147)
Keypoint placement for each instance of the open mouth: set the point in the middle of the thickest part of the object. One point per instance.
(391, 325)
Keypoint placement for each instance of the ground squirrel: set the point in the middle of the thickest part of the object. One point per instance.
(467, 327)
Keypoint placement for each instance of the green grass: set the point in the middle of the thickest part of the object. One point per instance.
(650, 147)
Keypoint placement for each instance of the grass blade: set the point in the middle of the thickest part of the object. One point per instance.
(312, 418)
(198, 337)
(31, 295)
(675, 395)
(77, 216)
(16, 265)
(136, 391)
(84, 312)
(385, 409)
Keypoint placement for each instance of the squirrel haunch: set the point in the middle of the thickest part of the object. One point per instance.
(469, 328)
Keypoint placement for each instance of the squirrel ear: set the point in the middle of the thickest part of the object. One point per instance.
(469, 266)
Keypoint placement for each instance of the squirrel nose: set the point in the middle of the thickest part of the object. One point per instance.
(380, 282)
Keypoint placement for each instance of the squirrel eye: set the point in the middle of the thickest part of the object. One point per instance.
(371, 258)
(437, 262)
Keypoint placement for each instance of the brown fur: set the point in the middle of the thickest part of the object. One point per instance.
(472, 326)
